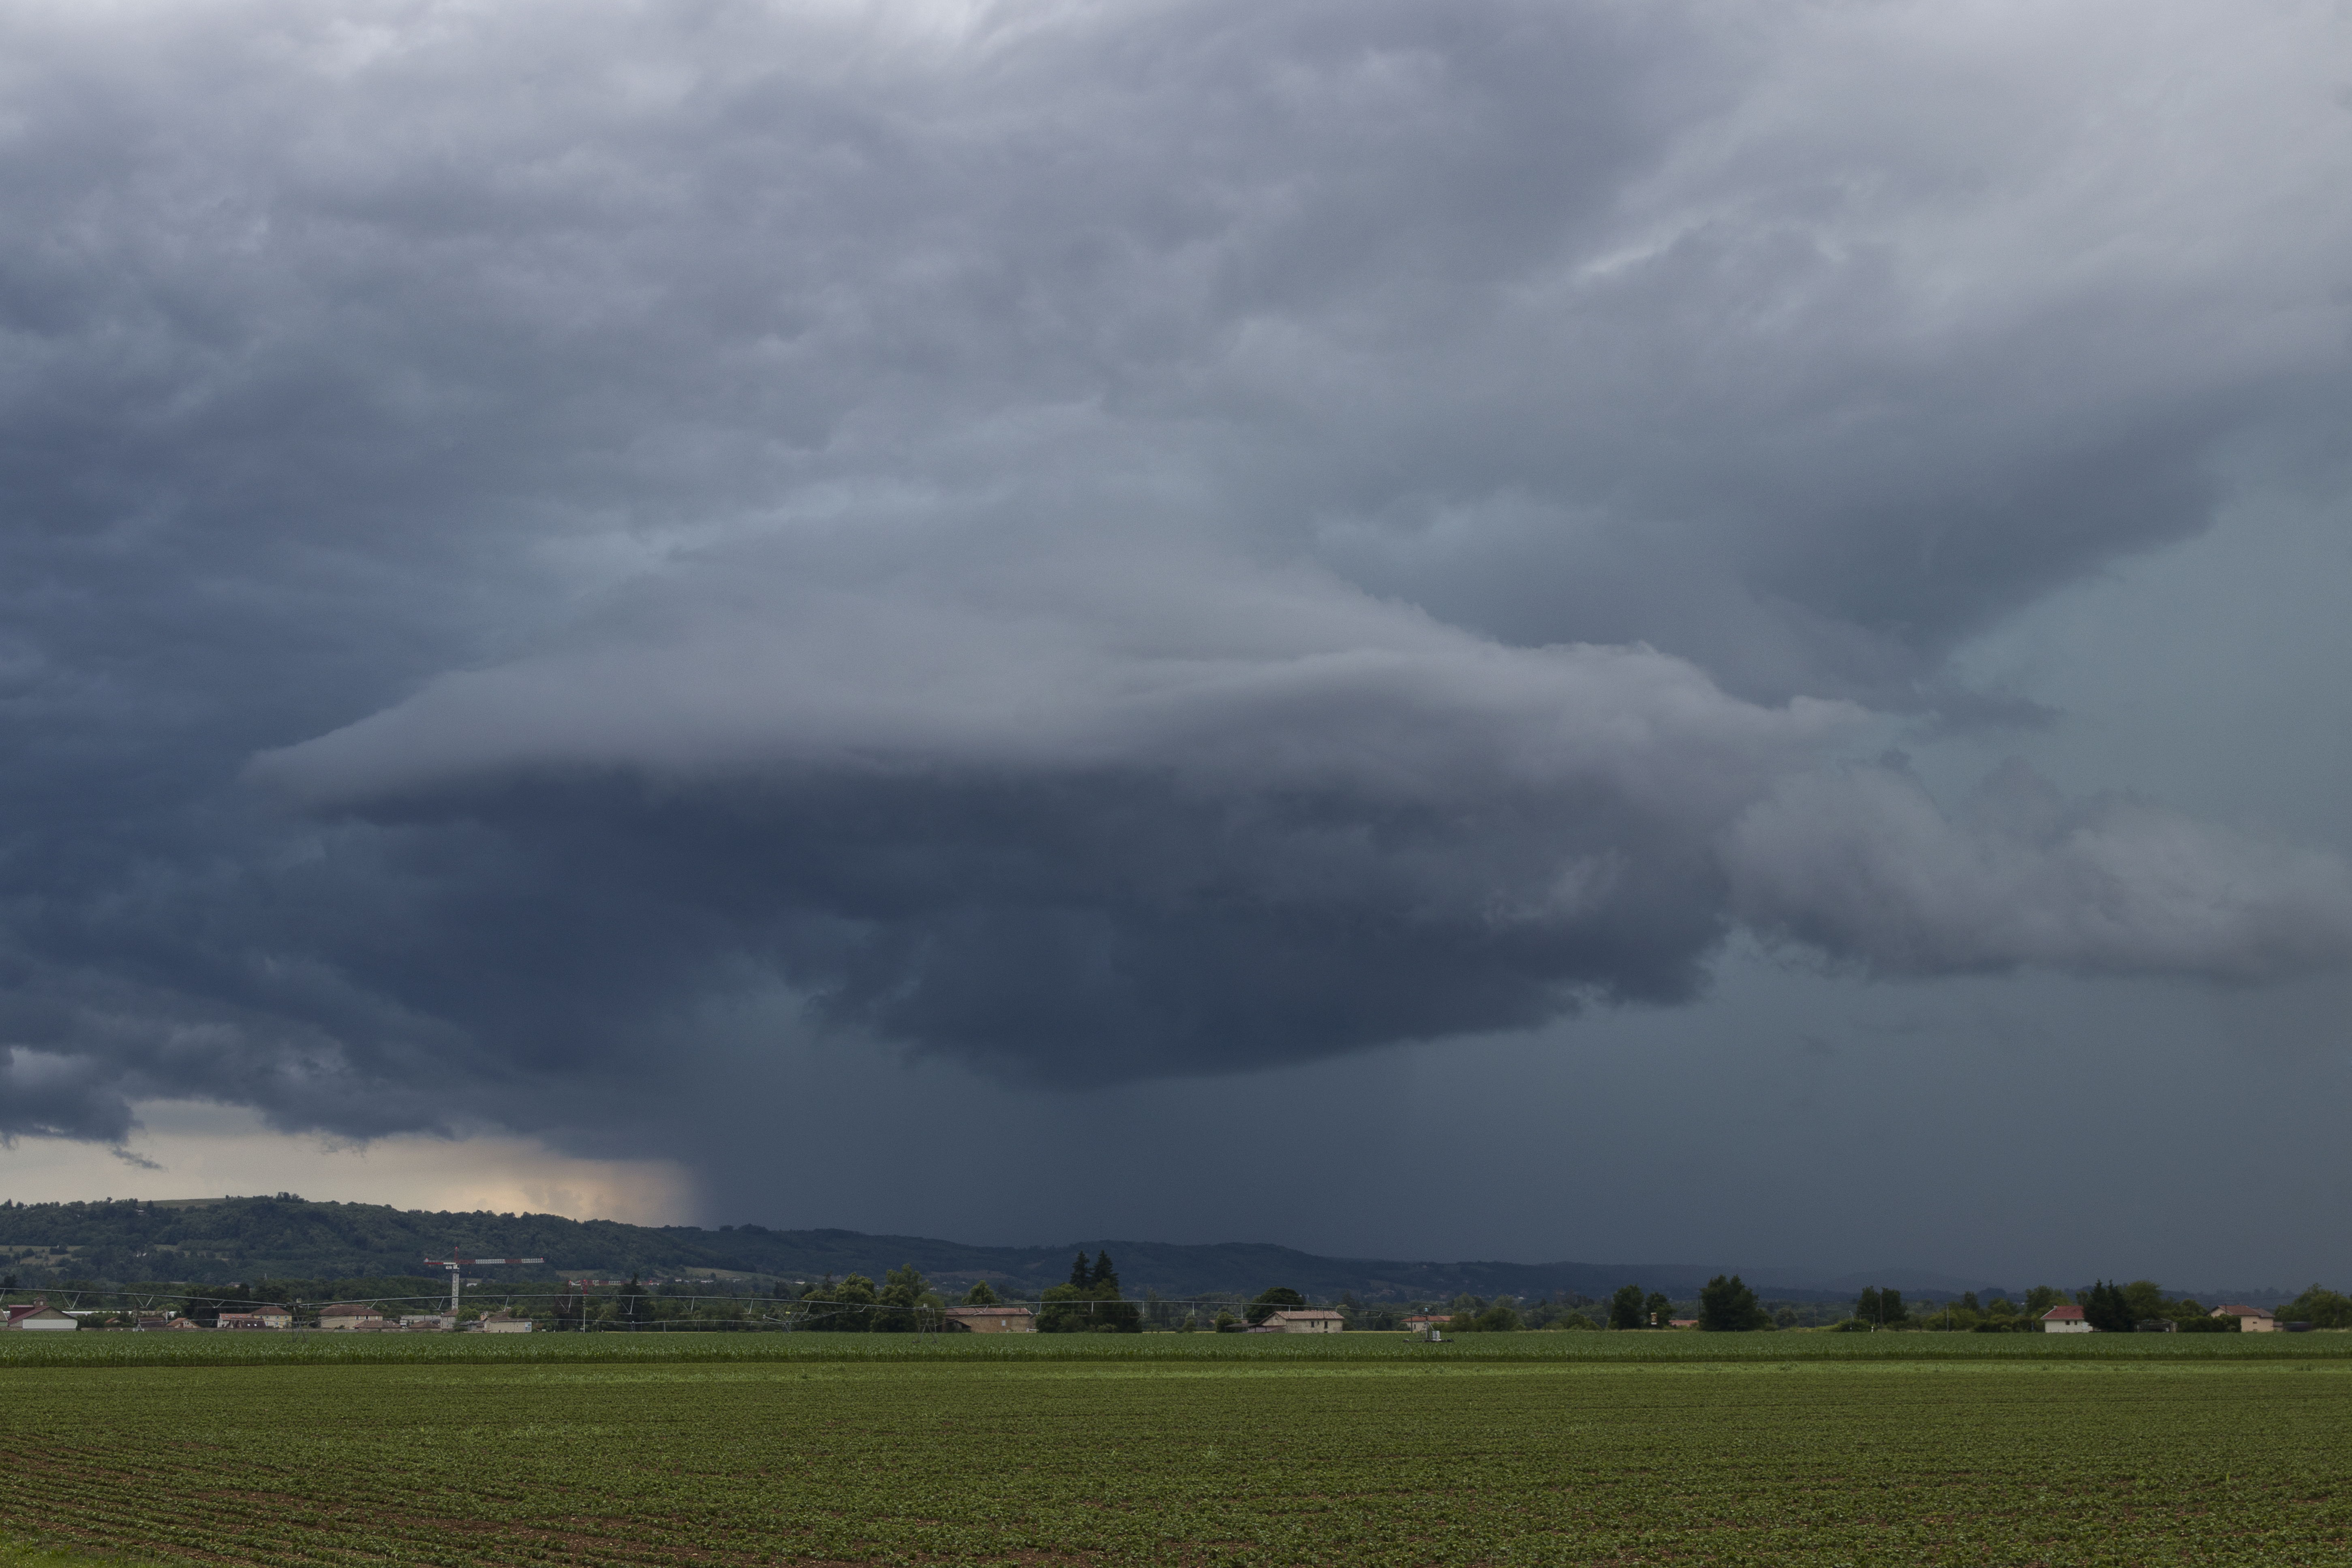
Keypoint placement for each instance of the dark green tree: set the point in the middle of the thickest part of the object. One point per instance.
(1880, 1306)
(1082, 1273)
(2107, 1309)
(2041, 1298)
(1268, 1302)
(980, 1295)
(1095, 1308)
(901, 1302)
(1625, 1307)
(842, 1308)
(2146, 1300)
(1727, 1305)
(1659, 1308)
(2319, 1307)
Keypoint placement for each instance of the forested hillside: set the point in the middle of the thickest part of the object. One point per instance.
(225, 1239)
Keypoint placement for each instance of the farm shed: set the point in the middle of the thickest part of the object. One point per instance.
(2066, 1320)
(41, 1316)
(349, 1315)
(1305, 1320)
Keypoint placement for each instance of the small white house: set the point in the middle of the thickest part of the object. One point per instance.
(1304, 1320)
(2066, 1320)
(502, 1322)
(2251, 1320)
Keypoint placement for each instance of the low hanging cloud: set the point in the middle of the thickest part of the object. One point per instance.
(1861, 864)
(1110, 817)
(1102, 542)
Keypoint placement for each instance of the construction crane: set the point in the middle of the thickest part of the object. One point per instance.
(454, 1265)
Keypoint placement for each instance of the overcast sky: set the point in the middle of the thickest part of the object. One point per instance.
(1604, 630)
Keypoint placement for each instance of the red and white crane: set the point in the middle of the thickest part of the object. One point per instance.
(454, 1265)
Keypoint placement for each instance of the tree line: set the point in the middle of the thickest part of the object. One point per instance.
(2107, 1307)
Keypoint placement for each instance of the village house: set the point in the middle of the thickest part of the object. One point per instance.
(261, 1316)
(1421, 1322)
(349, 1315)
(992, 1321)
(2251, 1320)
(1304, 1320)
(2066, 1320)
(502, 1322)
(39, 1315)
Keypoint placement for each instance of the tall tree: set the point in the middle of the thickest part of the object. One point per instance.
(1659, 1308)
(2106, 1309)
(904, 1295)
(1727, 1305)
(1268, 1302)
(1096, 1307)
(980, 1295)
(1625, 1307)
(1105, 1274)
(1082, 1274)
(2319, 1307)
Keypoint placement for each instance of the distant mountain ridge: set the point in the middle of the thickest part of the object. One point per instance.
(218, 1240)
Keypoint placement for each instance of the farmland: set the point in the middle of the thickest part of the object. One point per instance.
(409, 1350)
(1277, 1455)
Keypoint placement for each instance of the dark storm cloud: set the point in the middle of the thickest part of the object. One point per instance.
(1103, 543)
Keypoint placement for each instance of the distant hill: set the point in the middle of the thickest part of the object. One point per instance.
(224, 1240)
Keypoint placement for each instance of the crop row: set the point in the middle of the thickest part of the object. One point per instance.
(1241, 1464)
(127, 1349)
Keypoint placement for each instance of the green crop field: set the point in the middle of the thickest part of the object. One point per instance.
(279, 1349)
(1279, 1456)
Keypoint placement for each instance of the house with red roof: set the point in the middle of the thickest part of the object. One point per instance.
(2066, 1320)
(39, 1315)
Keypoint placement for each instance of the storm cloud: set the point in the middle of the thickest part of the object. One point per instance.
(1100, 543)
